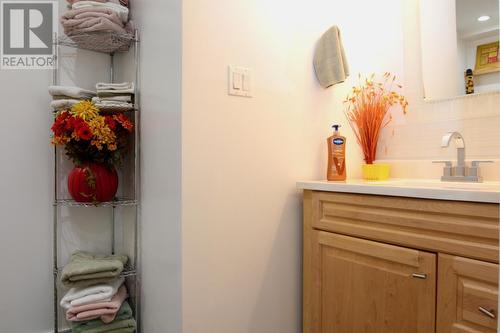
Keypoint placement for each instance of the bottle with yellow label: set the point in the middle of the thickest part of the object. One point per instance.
(336, 156)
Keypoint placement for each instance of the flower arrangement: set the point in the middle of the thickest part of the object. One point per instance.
(88, 136)
(368, 110)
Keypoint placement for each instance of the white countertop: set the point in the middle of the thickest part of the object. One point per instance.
(488, 192)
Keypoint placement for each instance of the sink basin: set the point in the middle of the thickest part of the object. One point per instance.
(437, 184)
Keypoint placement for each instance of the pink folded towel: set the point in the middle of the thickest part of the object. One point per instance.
(96, 24)
(82, 18)
(120, 2)
(77, 16)
(73, 1)
(104, 310)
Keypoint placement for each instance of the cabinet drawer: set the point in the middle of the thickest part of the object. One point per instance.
(467, 295)
(463, 228)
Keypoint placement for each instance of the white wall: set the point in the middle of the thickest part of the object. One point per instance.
(160, 26)
(241, 236)
(26, 203)
(440, 64)
(26, 305)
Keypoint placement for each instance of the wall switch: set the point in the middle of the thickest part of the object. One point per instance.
(240, 81)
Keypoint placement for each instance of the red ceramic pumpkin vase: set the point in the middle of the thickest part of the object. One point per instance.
(93, 182)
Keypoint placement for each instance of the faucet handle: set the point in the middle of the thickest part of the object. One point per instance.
(447, 164)
(447, 168)
(475, 164)
(474, 169)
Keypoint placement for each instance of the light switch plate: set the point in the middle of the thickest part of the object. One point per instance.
(240, 81)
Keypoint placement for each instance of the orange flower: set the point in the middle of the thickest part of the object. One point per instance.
(368, 111)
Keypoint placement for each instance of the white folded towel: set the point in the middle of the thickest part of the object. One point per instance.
(59, 104)
(107, 100)
(114, 86)
(330, 62)
(119, 98)
(122, 11)
(68, 91)
(93, 294)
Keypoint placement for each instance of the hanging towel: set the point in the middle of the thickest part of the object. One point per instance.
(106, 311)
(98, 293)
(330, 62)
(123, 323)
(86, 269)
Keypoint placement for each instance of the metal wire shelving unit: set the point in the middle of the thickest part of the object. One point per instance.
(111, 43)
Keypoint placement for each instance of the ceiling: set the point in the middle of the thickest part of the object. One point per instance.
(469, 10)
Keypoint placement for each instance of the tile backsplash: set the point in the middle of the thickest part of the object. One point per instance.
(417, 136)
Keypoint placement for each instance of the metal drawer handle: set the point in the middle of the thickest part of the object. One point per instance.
(419, 275)
(489, 313)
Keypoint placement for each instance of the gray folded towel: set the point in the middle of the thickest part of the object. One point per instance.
(330, 62)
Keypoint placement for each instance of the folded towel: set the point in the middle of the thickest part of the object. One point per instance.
(63, 103)
(105, 310)
(86, 269)
(330, 62)
(73, 1)
(114, 86)
(118, 98)
(75, 17)
(110, 93)
(86, 12)
(95, 24)
(98, 293)
(112, 102)
(122, 326)
(122, 11)
(73, 92)
(123, 323)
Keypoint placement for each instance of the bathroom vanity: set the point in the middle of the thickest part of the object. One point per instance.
(400, 256)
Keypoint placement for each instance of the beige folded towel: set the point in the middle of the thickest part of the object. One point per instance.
(330, 62)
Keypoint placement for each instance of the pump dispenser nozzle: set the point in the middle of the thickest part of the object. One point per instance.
(336, 127)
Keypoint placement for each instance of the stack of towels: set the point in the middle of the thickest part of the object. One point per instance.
(64, 97)
(96, 16)
(96, 302)
(114, 96)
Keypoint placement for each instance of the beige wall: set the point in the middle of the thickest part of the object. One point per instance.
(241, 157)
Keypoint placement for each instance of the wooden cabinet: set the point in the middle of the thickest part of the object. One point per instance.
(467, 296)
(398, 265)
(372, 287)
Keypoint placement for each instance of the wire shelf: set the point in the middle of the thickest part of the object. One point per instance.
(115, 203)
(104, 42)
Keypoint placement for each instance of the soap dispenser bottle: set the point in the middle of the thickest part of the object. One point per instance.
(336, 156)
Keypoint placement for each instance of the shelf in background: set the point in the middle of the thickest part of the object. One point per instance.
(103, 42)
(116, 203)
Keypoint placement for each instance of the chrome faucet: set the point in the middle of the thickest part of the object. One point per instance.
(461, 172)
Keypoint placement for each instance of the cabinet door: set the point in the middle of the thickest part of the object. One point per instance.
(467, 295)
(361, 286)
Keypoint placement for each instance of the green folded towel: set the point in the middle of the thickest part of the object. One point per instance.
(86, 269)
(122, 326)
(123, 323)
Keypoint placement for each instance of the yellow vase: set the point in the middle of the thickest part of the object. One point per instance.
(376, 171)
